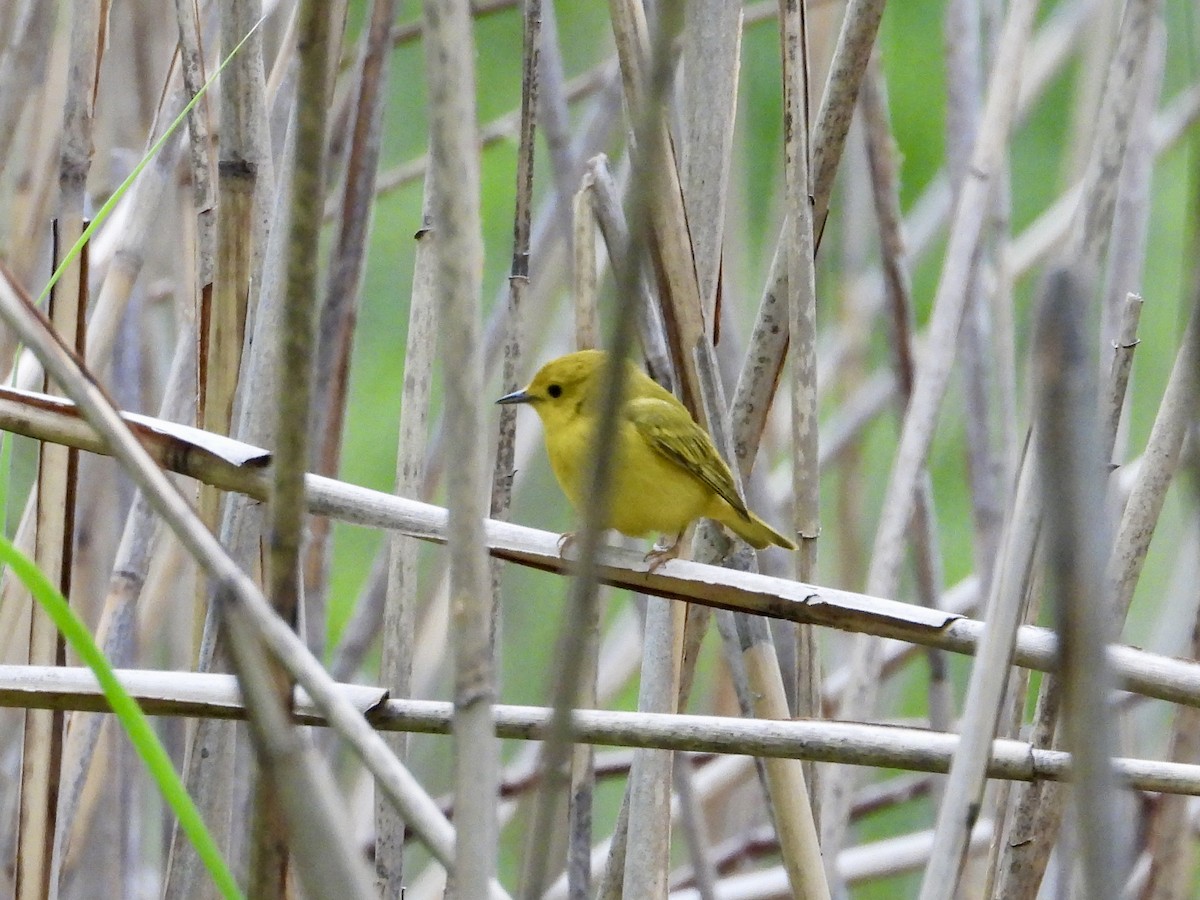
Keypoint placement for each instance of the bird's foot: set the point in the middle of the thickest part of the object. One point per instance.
(663, 552)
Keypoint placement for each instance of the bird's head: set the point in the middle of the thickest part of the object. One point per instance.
(562, 387)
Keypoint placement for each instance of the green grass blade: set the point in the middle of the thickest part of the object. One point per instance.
(132, 719)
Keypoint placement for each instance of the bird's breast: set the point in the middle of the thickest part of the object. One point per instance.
(567, 446)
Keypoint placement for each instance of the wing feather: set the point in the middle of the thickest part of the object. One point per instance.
(671, 432)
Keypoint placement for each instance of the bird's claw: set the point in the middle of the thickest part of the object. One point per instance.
(660, 554)
(564, 543)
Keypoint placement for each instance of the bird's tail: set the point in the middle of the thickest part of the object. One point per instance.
(755, 532)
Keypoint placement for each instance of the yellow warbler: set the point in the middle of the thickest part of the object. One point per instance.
(666, 474)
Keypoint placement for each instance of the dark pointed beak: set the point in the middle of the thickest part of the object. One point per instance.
(515, 397)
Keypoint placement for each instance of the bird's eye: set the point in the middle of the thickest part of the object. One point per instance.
(555, 390)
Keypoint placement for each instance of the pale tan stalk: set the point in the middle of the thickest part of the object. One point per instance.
(859, 26)
(711, 57)
(580, 800)
(583, 269)
(669, 238)
(400, 602)
(648, 842)
(802, 330)
(54, 525)
(53, 551)
(449, 61)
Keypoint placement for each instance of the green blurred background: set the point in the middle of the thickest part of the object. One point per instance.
(911, 42)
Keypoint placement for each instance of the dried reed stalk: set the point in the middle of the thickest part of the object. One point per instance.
(171, 693)
(143, 260)
(454, 187)
(400, 602)
(1071, 455)
(57, 477)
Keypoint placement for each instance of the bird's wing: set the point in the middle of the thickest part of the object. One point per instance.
(671, 432)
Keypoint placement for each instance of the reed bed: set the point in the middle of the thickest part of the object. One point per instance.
(926, 272)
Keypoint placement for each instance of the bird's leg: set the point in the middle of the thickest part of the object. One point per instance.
(662, 552)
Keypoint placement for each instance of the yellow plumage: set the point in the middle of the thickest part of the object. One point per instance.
(667, 472)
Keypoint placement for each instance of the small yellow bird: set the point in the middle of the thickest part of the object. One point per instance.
(667, 472)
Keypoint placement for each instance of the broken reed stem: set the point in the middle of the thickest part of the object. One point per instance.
(398, 639)
(1159, 464)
